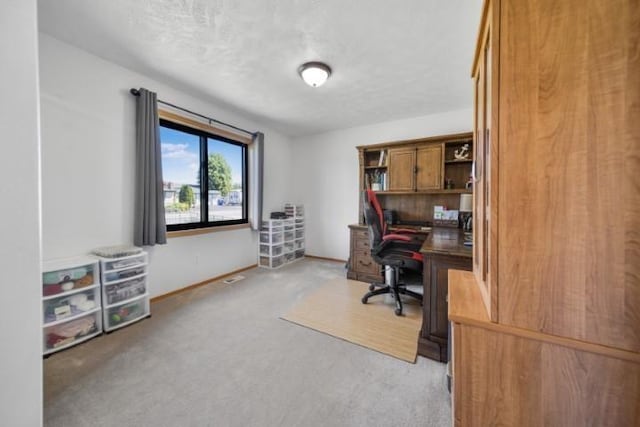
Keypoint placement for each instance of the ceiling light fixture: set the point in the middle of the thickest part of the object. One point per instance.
(314, 73)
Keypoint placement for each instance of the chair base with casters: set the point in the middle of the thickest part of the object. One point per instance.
(391, 286)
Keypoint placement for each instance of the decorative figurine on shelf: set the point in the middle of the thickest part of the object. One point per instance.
(462, 153)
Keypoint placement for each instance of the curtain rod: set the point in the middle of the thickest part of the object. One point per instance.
(136, 92)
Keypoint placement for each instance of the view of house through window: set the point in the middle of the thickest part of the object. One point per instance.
(204, 178)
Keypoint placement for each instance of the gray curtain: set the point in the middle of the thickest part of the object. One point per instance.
(256, 174)
(149, 224)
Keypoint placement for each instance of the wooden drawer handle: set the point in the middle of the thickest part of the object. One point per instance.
(365, 265)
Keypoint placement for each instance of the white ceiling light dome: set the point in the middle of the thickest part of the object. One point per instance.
(314, 73)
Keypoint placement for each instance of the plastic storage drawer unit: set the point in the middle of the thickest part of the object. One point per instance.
(71, 302)
(125, 288)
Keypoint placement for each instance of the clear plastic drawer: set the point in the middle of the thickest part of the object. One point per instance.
(69, 333)
(128, 312)
(277, 261)
(272, 223)
(64, 307)
(124, 263)
(65, 280)
(270, 262)
(271, 238)
(126, 290)
(275, 249)
(128, 273)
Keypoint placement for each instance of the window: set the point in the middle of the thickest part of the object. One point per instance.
(205, 178)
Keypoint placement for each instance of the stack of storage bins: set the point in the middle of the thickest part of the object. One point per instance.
(272, 244)
(282, 240)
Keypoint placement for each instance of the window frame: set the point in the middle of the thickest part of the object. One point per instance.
(203, 136)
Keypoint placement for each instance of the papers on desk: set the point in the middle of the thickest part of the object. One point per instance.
(444, 217)
(440, 212)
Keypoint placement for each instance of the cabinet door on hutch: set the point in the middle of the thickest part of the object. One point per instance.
(429, 160)
(402, 164)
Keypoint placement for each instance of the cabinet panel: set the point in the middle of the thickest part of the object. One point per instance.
(509, 380)
(429, 160)
(435, 322)
(570, 188)
(402, 164)
(439, 267)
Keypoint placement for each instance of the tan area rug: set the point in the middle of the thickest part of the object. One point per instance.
(335, 309)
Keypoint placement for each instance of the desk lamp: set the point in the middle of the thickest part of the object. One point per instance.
(466, 211)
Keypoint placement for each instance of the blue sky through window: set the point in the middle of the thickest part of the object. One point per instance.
(181, 156)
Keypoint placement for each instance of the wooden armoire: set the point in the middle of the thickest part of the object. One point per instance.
(546, 330)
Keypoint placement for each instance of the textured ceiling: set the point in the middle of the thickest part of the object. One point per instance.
(390, 59)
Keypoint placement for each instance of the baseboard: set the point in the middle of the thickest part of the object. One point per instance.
(197, 285)
(344, 261)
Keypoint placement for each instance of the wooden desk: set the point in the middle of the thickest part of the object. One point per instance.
(442, 250)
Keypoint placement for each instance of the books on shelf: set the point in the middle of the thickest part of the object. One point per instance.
(381, 159)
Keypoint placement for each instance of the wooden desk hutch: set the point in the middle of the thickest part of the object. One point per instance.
(413, 177)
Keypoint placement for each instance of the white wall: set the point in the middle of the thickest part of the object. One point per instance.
(326, 173)
(88, 146)
(21, 356)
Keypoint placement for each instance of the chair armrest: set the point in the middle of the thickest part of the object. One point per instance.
(400, 237)
(404, 231)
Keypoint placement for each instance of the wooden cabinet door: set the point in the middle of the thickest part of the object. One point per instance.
(569, 202)
(479, 182)
(485, 172)
(438, 276)
(429, 167)
(402, 165)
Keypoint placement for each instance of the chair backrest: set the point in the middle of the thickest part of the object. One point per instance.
(373, 217)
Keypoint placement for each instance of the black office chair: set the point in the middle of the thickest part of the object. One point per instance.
(398, 250)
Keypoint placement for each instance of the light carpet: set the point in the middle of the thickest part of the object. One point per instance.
(220, 356)
(336, 309)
